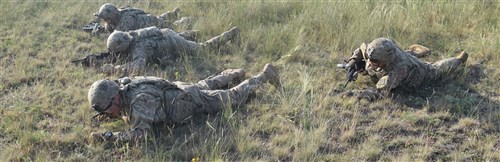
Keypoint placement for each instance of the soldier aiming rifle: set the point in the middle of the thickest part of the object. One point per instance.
(391, 68)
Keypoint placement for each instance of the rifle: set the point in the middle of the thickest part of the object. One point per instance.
(96, 59)
(352, 71)
(93, 27)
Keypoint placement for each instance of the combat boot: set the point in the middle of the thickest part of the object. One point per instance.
(233, 35)
(419, 51)
(272, 75)
(463, 56)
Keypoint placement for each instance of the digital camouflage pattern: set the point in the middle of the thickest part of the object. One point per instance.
(128, 18)
(149, 100)
(403, 69)
(158, 46)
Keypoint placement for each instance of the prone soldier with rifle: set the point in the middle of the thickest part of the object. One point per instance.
(128, 18)
(391, 68)
(146, 101)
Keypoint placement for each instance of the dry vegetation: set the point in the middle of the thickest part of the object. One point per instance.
(45, 116)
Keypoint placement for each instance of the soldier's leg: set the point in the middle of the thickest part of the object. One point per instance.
(221, 80)
(232, 35)
(184, 21)
(171, 15)
(189, 34)
(236, 96)
(418, 51)
(450, 64)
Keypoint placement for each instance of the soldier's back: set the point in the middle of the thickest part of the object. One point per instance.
(417, 72)
(133, 19)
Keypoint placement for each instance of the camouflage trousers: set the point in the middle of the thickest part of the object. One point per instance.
(447, 67)
(206, 96)
(422, 73)
(232, 35)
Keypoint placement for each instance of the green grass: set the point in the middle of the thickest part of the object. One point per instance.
(45, 114)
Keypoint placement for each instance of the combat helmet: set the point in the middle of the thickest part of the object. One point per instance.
(118, 41)
(107, 11)
(382, 49)
(101, 94)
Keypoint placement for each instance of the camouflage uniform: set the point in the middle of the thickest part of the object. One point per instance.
(403, 69)
(126, 19)
(157, 46)
(149, 100)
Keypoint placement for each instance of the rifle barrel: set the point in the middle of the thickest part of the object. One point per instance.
(345, 85)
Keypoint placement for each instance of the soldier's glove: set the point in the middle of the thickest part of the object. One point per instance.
(370, 95)
(349, 93)
(97, 137)
(97, 30)
(351, 63)
(109, 68)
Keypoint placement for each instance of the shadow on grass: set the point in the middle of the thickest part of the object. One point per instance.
(456, 96)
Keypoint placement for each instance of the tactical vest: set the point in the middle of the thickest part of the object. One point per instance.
(169, 91)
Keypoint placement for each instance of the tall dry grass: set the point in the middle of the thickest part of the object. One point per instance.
(45, 115)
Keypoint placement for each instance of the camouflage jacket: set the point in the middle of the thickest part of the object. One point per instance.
(156, 46)
(150, 100)
(132, 19)
(406, 71)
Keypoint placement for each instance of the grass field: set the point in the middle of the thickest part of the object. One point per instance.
(45, 115)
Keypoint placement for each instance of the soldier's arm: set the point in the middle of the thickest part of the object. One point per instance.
(139, 59)
(109, 28)
(392, 80)
(356, 55)
(126, 23)
(135, 135)
(383, 87)
(146, 108)
(368, 94)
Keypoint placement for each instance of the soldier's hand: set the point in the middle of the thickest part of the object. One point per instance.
(99, 137)
(95, 31)
(98, 30)
(109, 68)
(96, 137)
(349, 93)
(370, 95)
(352, 63)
